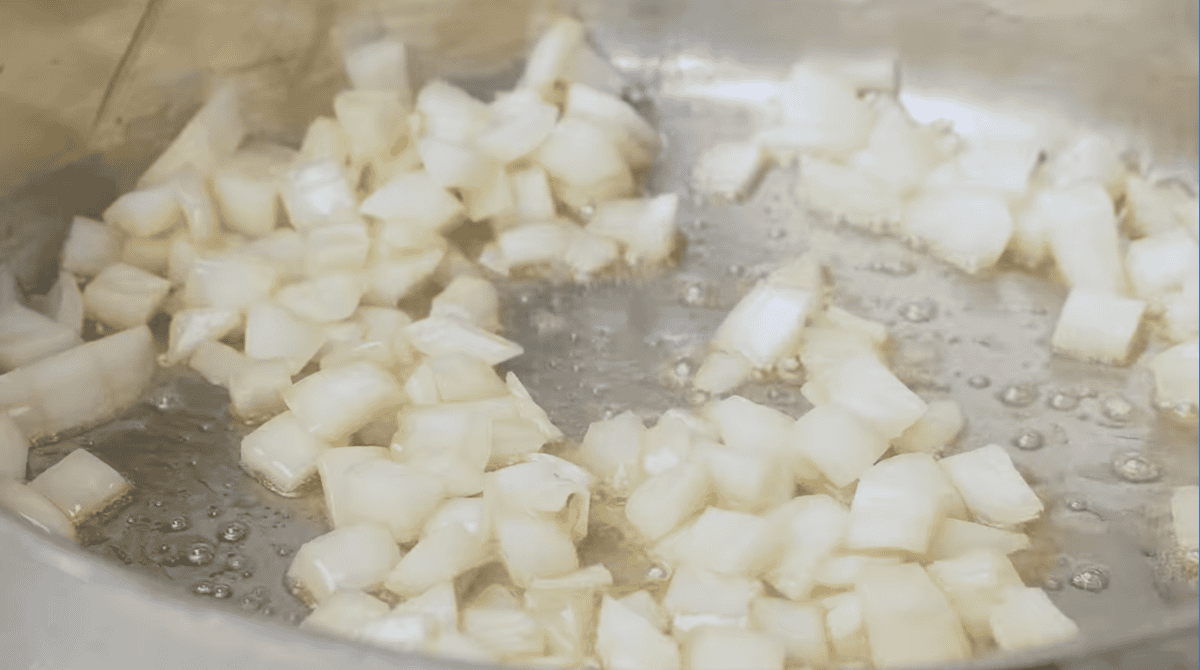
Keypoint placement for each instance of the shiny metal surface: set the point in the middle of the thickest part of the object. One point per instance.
(1126, 67)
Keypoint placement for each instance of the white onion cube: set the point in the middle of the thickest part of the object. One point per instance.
(274, 332)
(380, 65)
(151, 254)
(1184, 508)
(722, 372)
(812, 527)
(450, 441)
(1161, 263)
(588, 254)
(1176, 383)
(27, 336)
(546, 488)
(698, 597)
(612, 450)
(847, 630)
(900, 152)
(352, 557)
(909, 620)
(645, 226)
(256, 392)
(439, 556)
(144, 212)
(627, 641)
(724, 542)
(586, 157)
(230, 280)
(766, 323)
(210, 137)
(498, 623)
(956, 537)
(975, 583)
(450, 113)
(934, 431)
(373, 121)
(335, 402)
(317, 193)
(662, 502)
(90, 247)
(535, 243)
(339, 247)
(470, 299)
(530, 410)
(850, 195)
(282, 453)
(1084, 238)
(867, 388)
(993, 490)
(435, 336)
(394, 495)
(969, 229)
(729, 169)
(724, 647)
(345, 613)
(1026, 618)
(247, 189)
(899, 503)
(389, 280)
(552, 55)
(190, 327)
(323, 299)
(32, 506)
(801, 628)
(415, 198)
(217, 362)
(840, 444)
(748, 480)
(325, 139)
(123, 296)
(532, 198)
(533, 549)
(1098, 326)
(520, 121)
(80, 485)
(1090, 157)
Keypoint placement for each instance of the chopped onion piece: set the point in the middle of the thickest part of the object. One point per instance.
(767, 322)
(230, 280)
(317, 193)
(868, 389)
(27, 336)
(724, 647)
(14, 450)
(373, 121)
(190, 327)
(900, 152)
(934, 431)
(1084, 238)
(80, 485)
(976, 583)
(729, 169)
(1161, 263)
(389, 280)
(909, 620)
(530, 410)
(662, 502)
(644, 605)
(722, 372)
(1090, 157)
(533, 549)
(546, 488)
(612, 451)
(81, 386)
(208, 139)
(339, 247)
(698, 597)
(843, 571)
(394, 495)
(899, 503)
(256, 391)
(381, 65)
(496, 620)
(847, 630)
(247, 188)
(196, 202)
(956, 537)
(552, 56)
(534, 243)
(586, 160)
(450, 113)
(274, 332)
(90, 247)
(323, 299)
(217, 362)
(636, 139)
(345, 613)
(993, 490)
(532, 199)
(1002, 166)
(646, 226)
(840, 444)
(144, 212)
(450, 441)
(22, 500)
(335, 402)
(1027, 618)
(436, 336)
(352, 557)
(325, 139)
(968, 228)
(627, 641)
(520, 122)
(64, 302)
(1184, 517)
(1181, 320)
(284, 248)
(151, 254)
(1150, 207)
(1176, 383)
(1097, 326)
(724, 542)
(748, 480)
(332, 467)
(811, 528)
(850, 195)
(282, 454)
(416, 199)
(469, 299)
(123, 296)
(442, 554)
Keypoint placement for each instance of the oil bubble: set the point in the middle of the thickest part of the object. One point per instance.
(203, 588)
(1029, 439)
(1117, 408)
(1063, 401)
(222, 592)
(200, 554)
(979, 381)
(179, 523)
(919, 311)
(1017, 395)
(1092, 580)
(1134, 466)
(1077, 505)
(233, 531)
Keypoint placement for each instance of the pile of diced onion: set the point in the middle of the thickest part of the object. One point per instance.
(1123, 240)
(432, 465)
